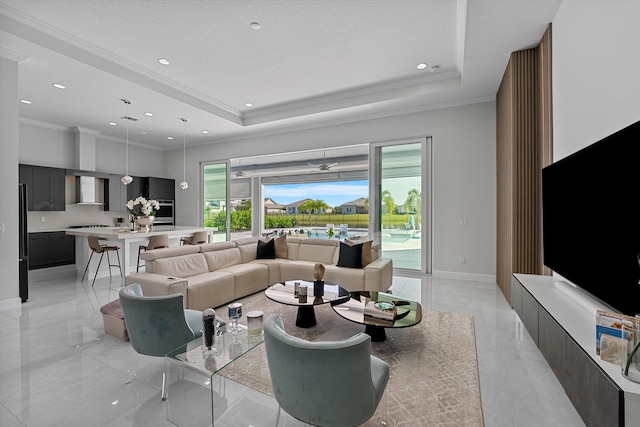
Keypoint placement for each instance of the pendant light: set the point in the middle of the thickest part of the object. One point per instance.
(126, 179)
(184, 184)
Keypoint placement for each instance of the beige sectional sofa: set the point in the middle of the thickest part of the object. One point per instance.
(211, 275)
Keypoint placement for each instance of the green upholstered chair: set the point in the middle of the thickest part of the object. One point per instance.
(324, 383)
(158, 325)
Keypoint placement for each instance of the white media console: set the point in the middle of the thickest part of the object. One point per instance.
(561, 320)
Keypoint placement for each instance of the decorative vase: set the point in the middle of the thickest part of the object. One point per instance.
(145, 221)
(630, 354)
(318, 288)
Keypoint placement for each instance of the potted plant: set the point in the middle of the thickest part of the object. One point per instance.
(143, 211)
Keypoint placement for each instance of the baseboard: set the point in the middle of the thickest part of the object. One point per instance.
(10, 304)
(485, 278)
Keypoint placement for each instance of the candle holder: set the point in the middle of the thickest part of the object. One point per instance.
(235, 313)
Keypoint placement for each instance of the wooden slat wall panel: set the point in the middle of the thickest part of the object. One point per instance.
(545, 122)
(523, 148)
(504, 101)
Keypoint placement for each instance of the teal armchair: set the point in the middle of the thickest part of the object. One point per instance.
(158, 325)
(324, 383)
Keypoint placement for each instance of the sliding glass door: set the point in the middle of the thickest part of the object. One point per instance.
(400, 194)
(216, 201)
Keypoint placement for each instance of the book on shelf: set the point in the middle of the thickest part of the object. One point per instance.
(609, 323)
(380, 310)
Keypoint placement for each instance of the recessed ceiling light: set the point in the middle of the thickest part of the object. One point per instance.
(112, 124)
(59, 86)
(248, 104)
(143, 132)
(148, 114)
(169, 137)
(205, 131)
(422, 66)
(25, 101)
(434, 68)
(163, 61)
(255, 25)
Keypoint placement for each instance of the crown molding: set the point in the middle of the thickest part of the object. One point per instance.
(345, 120)
(12, 56)
(29, 28)
(396, 89)
(75, 129)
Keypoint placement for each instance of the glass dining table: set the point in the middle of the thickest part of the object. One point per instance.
(206, 363)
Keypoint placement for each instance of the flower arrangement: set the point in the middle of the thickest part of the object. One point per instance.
(142, 207)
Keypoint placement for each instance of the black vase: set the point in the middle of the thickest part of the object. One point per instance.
(318, 288)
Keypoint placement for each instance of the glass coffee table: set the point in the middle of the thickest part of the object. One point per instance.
(228, 348)
(378, 311)
(284, 293)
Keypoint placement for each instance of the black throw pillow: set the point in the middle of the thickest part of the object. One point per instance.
(350, 255)
(266, 250)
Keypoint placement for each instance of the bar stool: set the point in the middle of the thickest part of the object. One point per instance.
(155, 242)
(198, 238)
(97, 248)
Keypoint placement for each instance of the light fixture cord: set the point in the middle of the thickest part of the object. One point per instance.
(126, 162)
(184, 150)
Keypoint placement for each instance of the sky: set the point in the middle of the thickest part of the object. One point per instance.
(338, 193)
(333, 193)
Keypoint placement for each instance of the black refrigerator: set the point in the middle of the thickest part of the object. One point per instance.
(23, 245)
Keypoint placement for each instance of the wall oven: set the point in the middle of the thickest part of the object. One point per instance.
(165, 215)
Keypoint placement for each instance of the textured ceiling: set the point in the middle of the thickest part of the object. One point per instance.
(311, 62)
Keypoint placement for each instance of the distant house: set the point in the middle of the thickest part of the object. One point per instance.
(354, 207)
(294, 208)
(270, 206)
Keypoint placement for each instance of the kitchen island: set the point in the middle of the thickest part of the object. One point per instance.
(128, 242)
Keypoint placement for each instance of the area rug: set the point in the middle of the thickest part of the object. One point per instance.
(434, 369)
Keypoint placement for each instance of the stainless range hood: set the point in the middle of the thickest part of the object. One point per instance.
(86, 191)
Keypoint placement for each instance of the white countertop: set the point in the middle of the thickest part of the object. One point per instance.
(120, 234)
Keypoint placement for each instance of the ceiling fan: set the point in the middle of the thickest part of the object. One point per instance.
(239, 173)
(324, 166)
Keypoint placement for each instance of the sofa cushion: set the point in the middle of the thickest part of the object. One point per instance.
(318, 250)
(352, 279)
(274, 268)
(181, 266)
(297, 270)
(266, 250)
(222, 258)
(350, 255)
(208, 247)
(367, 256)
(210, 290)
(169, 252)
(248, 278)
(281, 246)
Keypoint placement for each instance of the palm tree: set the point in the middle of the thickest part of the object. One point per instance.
(387, 200)
(308, 208)
(413, 202)
(317, 205)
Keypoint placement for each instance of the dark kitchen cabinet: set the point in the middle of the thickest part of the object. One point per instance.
(161, 188)
(45, 187)
(152, 188)
(50, 249)
(38, 250)
(137, 188)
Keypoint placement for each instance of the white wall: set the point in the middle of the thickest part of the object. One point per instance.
(8, 184)
(464, 174)
(56, 147)
(596, 71)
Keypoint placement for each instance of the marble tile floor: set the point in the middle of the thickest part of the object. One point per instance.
(59, 368)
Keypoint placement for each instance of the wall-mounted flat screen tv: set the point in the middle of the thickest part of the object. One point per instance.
(591, 219)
